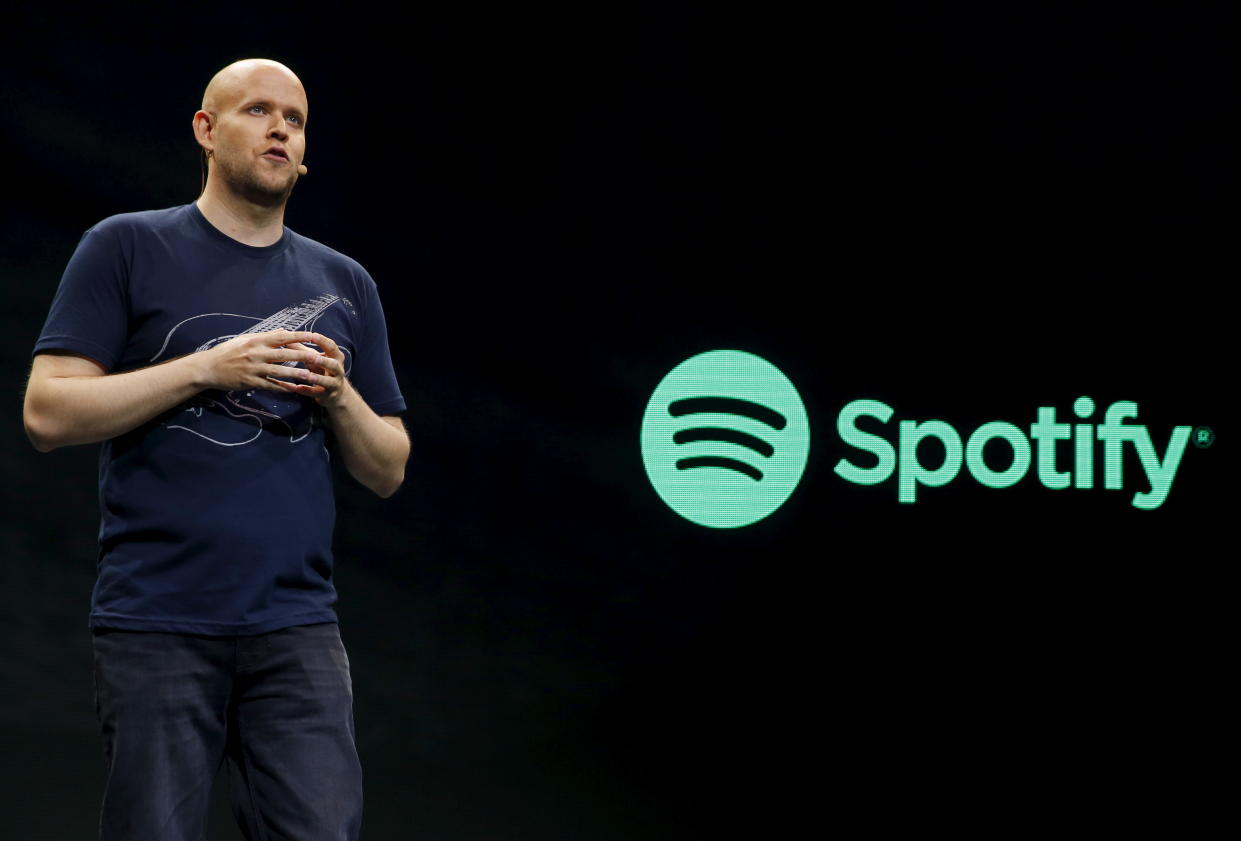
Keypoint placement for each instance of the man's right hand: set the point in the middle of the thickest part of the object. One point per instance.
(249, 360)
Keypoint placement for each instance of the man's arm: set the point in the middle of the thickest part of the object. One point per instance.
(71, 399)
(373, 448)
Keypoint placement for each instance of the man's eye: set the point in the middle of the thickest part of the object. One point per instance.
(295, 119)
(257, 108)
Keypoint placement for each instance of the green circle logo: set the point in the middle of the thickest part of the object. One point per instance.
(725, 439)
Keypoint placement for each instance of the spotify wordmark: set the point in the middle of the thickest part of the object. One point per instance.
(725, 441)
(1045, 432)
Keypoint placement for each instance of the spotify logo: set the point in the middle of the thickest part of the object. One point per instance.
(725, 439)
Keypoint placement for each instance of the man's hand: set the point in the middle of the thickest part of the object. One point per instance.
(252, 360)
(324, 374)
(374, 449)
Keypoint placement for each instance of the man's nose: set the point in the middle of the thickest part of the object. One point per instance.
(277, 130)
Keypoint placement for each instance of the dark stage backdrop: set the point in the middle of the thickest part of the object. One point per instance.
(966, 215)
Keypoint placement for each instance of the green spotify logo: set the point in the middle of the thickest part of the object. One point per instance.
(725, 439)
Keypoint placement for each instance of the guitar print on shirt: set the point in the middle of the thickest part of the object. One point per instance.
(236, 418)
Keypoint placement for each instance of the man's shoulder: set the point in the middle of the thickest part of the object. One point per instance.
(326, 253)
(142, 220)
(145, 218)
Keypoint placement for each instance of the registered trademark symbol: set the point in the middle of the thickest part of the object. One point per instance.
(1203, 437)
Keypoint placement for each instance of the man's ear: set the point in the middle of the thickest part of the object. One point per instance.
(204, 128)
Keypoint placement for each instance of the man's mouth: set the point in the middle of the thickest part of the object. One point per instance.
(276, 155)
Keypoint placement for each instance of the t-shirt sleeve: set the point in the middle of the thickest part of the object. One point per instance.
(88, 313)
(372, 374)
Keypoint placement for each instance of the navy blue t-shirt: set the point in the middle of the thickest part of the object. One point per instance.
(217, 515)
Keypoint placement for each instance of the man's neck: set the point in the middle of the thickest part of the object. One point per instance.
(244, 221)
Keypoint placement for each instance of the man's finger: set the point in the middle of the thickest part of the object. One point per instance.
(331, 365)
(325, 343)
(287, 372)
(292, 354)
(277, 338)
(299, 388)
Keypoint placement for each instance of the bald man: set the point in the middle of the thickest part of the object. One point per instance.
(214, 353)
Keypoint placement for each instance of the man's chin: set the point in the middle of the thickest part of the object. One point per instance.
(265, 194)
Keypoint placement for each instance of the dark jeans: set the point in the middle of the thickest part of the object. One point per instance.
(276, 707)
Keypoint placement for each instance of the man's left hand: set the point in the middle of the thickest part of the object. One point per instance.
(325, 380)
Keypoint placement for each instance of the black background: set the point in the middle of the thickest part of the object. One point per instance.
(966, 213)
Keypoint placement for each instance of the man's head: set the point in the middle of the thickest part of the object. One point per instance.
(252, 111)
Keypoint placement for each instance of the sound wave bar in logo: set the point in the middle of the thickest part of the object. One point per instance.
(734, 412)
(730, 406)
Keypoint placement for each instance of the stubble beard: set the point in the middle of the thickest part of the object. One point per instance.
(249, 185)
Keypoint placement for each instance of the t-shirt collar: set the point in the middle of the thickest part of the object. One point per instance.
(216, 235)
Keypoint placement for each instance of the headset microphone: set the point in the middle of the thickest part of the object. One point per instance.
(301, 169)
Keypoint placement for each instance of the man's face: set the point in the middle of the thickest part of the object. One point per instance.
(260, 135)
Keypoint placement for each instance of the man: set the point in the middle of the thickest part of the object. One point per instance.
(212, 351)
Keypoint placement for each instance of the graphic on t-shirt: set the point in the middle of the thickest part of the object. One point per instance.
(234, 418)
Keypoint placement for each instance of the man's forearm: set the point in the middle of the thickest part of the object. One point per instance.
(65, 410)
(69, 399)
(374, 451)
